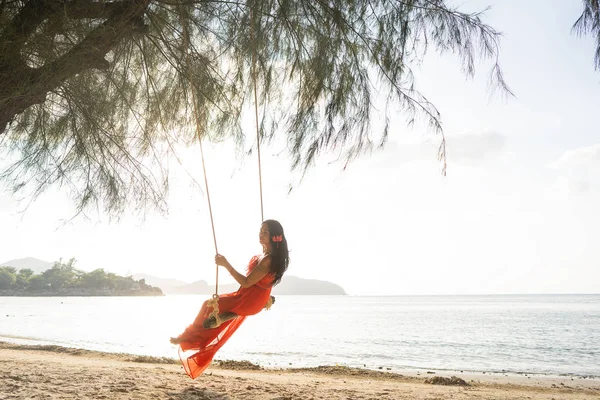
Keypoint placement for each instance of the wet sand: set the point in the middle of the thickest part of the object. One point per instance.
(52, 372)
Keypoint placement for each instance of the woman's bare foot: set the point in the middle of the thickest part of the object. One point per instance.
(176, 340)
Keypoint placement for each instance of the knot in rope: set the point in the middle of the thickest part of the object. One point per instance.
(214, 303)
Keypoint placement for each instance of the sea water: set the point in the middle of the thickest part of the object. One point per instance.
(543, 334)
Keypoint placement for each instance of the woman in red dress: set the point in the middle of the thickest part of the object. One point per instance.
(206, 335)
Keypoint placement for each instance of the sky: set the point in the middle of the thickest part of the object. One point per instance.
(517, 212)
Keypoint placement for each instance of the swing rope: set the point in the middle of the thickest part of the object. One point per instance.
(214, 301)
(262, 217)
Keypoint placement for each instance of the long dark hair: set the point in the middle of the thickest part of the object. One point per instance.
(280, 256)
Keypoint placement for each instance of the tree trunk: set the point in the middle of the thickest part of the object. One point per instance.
(23, 86)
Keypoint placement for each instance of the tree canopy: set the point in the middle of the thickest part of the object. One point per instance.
(95, 95)
(64, 279)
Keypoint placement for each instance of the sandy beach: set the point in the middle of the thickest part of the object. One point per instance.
(51, 372)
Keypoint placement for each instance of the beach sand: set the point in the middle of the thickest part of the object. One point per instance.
(51, 372)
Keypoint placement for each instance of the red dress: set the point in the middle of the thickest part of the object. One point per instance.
(200, 345)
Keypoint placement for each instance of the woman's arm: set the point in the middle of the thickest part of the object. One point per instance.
(259, 272)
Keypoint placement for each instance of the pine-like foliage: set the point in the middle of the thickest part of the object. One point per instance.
(94, 95)
(589, 23)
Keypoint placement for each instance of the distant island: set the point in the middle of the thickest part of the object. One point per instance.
(63, 279)
(33, 277)
(289, 285)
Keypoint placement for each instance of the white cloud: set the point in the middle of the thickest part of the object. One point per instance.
(475, 148)
(579, 169)
(469, 149)
(582, 157)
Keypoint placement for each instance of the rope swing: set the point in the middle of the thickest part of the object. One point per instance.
(214, 301)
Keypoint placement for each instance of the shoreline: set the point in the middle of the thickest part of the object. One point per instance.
(54, 372)
(42, 345)
(424, 373)
(565, 381)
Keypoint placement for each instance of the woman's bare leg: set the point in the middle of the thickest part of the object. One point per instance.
(201, 314)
